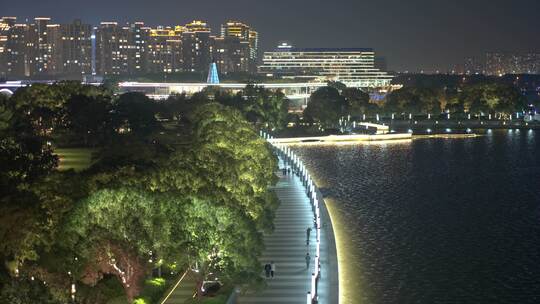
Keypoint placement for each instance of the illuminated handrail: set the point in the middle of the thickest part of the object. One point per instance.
(289, 157)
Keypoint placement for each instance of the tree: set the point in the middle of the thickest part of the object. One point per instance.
(24, 154)
(175, 106)
(203, 197)
(340, 86)
(358, 102)
(260, 106)
(6, 113)
(491, 98)
(88, 118)
(136, 113)
(326, 106)
(413, 100)
(41, 104)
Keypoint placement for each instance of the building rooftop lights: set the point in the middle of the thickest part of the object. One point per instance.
(284, 45)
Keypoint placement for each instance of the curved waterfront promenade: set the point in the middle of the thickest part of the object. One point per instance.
(301, 202)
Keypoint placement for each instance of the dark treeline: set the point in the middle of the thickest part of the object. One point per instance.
(423, 96)
(172, 183)
(525, 81)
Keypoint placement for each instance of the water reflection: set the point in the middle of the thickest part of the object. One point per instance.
(435, 220)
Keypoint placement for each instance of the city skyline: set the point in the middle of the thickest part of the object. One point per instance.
(424, 36)
(43, 48)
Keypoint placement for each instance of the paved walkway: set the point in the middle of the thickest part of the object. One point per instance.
(286, 246)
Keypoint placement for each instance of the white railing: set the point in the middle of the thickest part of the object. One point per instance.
(289, 157)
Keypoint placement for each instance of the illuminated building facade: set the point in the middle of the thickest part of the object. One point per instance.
(6, 23)
(354, 67)
(45, 50)
(41, 46)
(248, 42)
(473, 66)
(197, 46)
(42, 49)
(111, 49)
(138, 36)
(499, 64)
(16, 54)
(76, 49)
(232, 55)
(54, 63)
(164, 50)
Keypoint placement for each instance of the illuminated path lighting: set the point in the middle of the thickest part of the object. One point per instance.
(174, 288)
(292, 160)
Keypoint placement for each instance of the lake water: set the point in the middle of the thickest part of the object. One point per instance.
(435, 220)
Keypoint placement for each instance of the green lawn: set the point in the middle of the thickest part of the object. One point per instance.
(74, 158)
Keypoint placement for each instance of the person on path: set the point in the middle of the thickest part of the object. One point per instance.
(272, 268)
(267, 270)
(308, 259)
(308, 232)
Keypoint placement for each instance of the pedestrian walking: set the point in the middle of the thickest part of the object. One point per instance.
(284, 171)
(308, 259)
(308, 233)
(272, 268)
(267, 270)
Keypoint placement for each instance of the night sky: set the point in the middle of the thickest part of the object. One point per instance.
(412, 34)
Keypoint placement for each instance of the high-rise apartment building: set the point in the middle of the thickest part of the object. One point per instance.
(137, 48)
(197, 46)
(232, 54)
(354, 67)
(509, 63)
(17, 51)
(111, 49)
(54, 64)
(473, 66)
(254, 47)
(40, 46)
(6, 23)
(43, 49)
(245, 34)
(76, 49)
(164, 50)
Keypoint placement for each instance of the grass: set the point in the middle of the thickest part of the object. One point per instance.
(77, 159)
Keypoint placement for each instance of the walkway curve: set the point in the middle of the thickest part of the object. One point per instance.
(286, 246)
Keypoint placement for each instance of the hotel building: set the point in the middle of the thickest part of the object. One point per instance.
(354, 67)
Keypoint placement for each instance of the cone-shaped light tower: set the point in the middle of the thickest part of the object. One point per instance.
(213, 77)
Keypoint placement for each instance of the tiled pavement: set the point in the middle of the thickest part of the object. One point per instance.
(286, 246)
